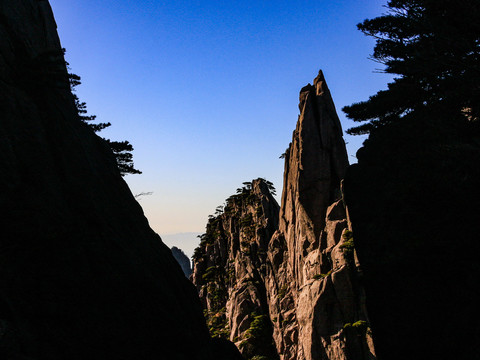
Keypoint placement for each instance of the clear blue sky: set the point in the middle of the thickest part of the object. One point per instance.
(207, 91)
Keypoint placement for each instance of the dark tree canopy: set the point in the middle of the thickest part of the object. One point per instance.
(121, 149)
(434, 45)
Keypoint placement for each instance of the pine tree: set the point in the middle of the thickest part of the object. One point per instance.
(121, 149)
(434, 45)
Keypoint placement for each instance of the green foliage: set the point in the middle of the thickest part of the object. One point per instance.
(218, 296)
(282, 292)
(348, 246)
(246, 221)
(434, 47)
(258, 342)
(270, 186)
(359, 327)
(347, 235)
(121, 149)
(198, 253)
(217, 324)
(210, 274)
(284, 154)
(321, 276)
(242, 210)
(260, 328)
(206, 239)
(361, 324)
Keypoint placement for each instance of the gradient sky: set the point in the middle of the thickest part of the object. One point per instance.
(207, 91)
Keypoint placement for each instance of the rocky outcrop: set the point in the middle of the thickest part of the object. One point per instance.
(313, 287)
(231, 265)
(182, 260)
(82, 275)
(308, 275)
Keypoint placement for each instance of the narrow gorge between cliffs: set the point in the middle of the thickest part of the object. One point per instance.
(359, 261)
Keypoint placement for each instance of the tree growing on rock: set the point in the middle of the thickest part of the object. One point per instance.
(434, 45)
(121, 149)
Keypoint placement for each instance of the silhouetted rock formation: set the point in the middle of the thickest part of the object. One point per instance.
(307, 276)
(413, 199)
(182, 260)
(82, 275)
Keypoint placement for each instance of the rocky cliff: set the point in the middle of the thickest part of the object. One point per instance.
(314, 289)
(182, 260)
(231, 266)
(308, 276)
(82, 275)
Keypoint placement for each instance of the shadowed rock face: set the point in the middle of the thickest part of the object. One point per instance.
(82, 275)
(413, 199)
(182, 260)
(306, 280)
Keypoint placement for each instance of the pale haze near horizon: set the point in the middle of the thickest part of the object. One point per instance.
(207, 91)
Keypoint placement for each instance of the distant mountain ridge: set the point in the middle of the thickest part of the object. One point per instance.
(183, 260)
(187, 241)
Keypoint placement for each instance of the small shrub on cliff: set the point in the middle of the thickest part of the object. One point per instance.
(348, 246)
(259, 328)
(282, 292)
(121, 149)
(347, 235)
(210, 274)
(246, 221)
(218, 325)
(321, 276)
(360, 325)
(197, 254)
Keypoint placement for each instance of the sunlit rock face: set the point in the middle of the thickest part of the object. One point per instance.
(301, 275)
(230, 268)
(82, 275)
(313, 286)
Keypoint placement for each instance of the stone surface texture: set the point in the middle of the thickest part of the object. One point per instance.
(309, 277)
(82, 275)
(230, 267)
(314, 290)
